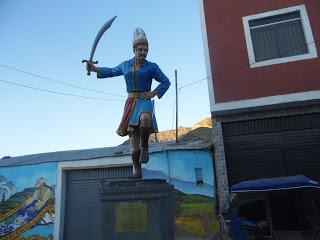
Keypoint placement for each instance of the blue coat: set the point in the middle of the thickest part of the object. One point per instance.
(142, 83)
(144, 76)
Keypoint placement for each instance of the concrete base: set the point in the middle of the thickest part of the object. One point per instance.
(138, 209)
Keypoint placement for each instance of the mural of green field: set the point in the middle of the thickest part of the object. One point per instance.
(195, 216)
(196, 208)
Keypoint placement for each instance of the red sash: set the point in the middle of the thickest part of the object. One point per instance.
(128, 108)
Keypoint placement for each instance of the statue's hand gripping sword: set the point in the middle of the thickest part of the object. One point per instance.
(104, 28)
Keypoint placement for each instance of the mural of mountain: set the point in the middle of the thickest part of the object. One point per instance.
(7, 189)
(154, 174)
(187, 187)
(21, 196)
(17, 199)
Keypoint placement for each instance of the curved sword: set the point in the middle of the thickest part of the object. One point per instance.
(104, 28)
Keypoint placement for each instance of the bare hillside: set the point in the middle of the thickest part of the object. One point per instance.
(201, 129)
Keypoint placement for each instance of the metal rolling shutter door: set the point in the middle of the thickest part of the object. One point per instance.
(252, 157)
(302, 151)
(272, 147)
(83, 208)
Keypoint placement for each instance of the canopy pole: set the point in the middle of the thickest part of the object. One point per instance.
(269, 217)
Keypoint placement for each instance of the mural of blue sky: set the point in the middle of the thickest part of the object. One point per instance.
(183, 164)
(178, 168)
(158, 162)
(25, 176)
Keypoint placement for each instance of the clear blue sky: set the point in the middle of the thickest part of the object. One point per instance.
(50, 38)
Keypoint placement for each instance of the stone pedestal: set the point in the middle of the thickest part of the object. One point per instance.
(138, 210)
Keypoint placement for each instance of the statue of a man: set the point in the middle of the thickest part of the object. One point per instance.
(138, 120)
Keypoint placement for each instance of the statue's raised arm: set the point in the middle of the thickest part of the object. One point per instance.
(90, 67)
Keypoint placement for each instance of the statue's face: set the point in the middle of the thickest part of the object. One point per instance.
(141, 52)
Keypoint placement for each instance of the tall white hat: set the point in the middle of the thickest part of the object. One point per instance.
(139, 37)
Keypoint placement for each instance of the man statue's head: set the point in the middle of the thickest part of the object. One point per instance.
(140, 44)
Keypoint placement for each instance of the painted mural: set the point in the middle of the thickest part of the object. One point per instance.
(27, 202)
(191, 173)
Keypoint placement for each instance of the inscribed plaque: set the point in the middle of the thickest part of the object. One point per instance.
(131, 217)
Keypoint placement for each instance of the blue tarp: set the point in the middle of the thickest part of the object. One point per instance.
(271, 184)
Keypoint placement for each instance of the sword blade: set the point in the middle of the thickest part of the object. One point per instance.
(104, 28)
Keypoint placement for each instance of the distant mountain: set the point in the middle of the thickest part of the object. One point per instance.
(207, 123)
(201, 129)
(201, 132)
(187, 187)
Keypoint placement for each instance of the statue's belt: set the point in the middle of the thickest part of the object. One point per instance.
(135, 94)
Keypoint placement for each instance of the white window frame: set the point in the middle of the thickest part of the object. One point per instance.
(312, 50)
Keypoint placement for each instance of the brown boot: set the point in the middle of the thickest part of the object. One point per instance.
(144, 144)
(137, 165)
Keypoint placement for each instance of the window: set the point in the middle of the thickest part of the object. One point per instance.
(279, 36)
(199, 176)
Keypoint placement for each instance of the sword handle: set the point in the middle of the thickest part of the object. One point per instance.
(89, 62)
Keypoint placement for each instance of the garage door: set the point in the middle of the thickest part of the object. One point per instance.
(272, 147)
(83, 208)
